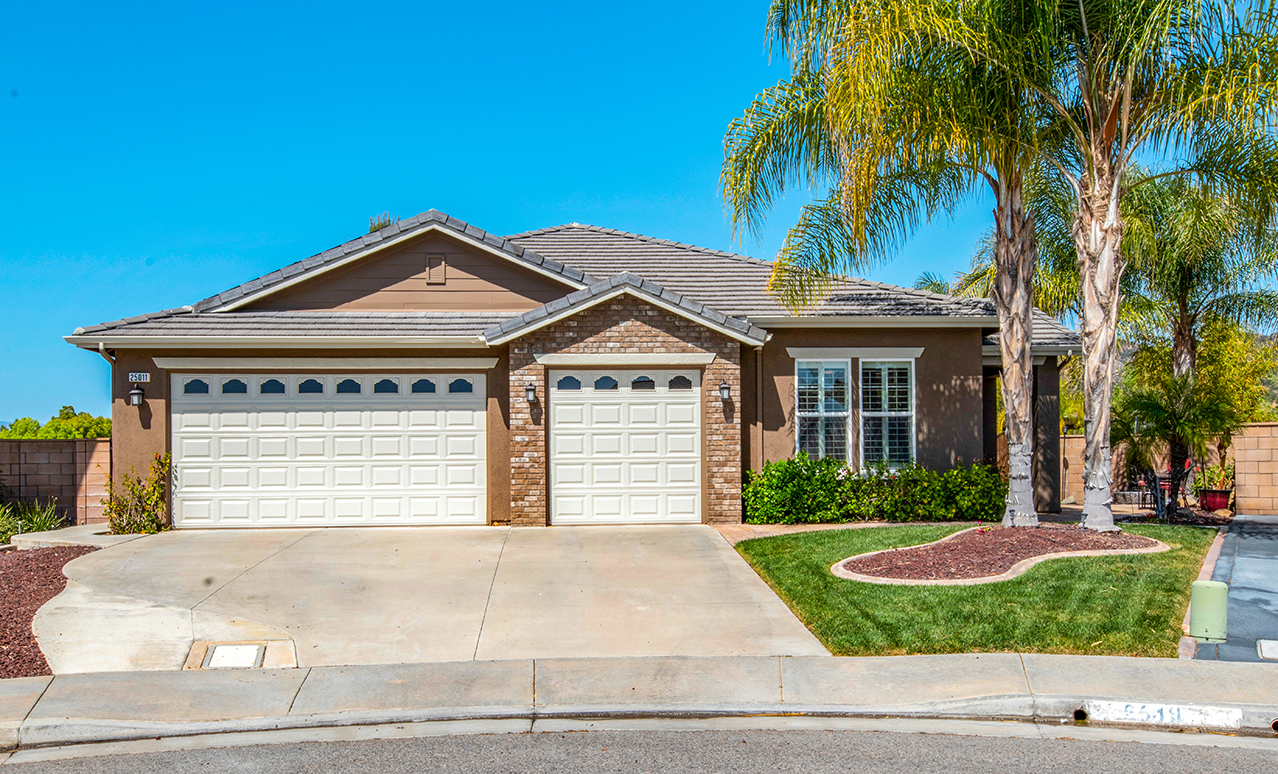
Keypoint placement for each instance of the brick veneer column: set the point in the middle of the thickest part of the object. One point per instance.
(625, 325)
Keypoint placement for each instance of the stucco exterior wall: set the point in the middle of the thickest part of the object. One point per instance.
(947, 388)
(624, 325)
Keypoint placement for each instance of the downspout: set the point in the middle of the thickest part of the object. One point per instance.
(102, 351)
(758, 407)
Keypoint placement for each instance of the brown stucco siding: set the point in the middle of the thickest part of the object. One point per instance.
(396, 280)
(624, 325)
(139, 434)
(947, 389)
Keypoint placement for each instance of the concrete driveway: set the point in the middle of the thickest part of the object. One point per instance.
(390, 595)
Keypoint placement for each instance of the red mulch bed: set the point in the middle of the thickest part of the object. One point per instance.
(988, 551)
(28, 579)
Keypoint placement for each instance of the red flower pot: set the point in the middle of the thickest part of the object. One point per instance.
(1214, 499)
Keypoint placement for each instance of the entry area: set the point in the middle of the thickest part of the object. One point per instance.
(280, 450)
(625, 446)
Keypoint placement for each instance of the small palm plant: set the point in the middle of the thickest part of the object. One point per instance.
(1178, 416)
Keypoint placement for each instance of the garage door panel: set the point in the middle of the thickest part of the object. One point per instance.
(605, 443)
(329, 458)
(645, 443)
(682, 415)
(275, 511)
(269, 420)
(626, 455)
(233, 420)
(272, 448)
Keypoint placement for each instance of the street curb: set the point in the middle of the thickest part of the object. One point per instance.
(1057, 709)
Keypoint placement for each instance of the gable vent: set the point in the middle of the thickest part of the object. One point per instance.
(434, 270)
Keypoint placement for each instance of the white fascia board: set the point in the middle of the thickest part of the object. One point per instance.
(644, 359)
(857, 353)
(277, 342)
(903, 321)
(306, 276)
(308, 363)
(997, 362)
(639, 293)
(1044, 350)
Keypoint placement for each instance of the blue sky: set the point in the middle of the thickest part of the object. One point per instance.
(153, 154)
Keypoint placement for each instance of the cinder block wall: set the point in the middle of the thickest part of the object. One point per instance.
(72, 473)
(1256, 460)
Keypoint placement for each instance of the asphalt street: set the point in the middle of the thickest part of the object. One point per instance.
(1249, 564)
(738, 752)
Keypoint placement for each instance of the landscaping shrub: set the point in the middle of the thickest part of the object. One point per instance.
(803, 491)
(135, 506)
(21, 518)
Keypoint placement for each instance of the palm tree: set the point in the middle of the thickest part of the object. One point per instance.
(1124, 79)
(1179, 415)
(895, 126)
(1199, 260)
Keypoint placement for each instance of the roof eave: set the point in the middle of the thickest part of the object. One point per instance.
(91, 342)
(754, 336)
(877, 321)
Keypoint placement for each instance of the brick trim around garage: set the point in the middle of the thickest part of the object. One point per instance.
(625, 325)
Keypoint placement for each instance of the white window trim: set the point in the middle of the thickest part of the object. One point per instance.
(847, 431)
(914, 410)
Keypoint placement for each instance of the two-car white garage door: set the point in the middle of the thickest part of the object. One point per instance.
(273, 450)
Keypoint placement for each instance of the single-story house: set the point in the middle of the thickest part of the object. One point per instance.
(433, 373)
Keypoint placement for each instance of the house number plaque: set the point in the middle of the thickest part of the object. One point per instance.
(142, 377)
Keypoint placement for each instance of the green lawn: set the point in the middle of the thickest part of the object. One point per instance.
(1104, 605)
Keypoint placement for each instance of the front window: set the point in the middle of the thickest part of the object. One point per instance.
(887, 413)
(822, 408)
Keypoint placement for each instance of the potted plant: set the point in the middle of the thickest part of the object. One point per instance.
(1215, 485)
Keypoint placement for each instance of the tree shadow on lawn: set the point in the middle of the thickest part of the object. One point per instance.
(1128, 605)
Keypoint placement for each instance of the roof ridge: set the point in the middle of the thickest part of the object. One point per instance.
(641, 237)
(515, 326)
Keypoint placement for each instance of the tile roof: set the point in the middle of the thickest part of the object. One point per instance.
(712, 283)
(585, 297)
(734, 284)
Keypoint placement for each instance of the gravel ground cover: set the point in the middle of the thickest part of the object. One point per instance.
(988, 551)
(28, 579)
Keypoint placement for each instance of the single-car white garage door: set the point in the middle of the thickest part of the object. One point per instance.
(625, 446)
(274, 450)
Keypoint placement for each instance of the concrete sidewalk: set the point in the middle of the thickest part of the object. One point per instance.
(1249, 564)
(105, 707)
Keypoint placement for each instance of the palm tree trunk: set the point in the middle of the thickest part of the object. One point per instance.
(1184, 355)
(1016, 253)
(1098, 235)
(1184, 345)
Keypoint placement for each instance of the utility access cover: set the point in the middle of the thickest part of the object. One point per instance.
(234, 656)
(1268, 649)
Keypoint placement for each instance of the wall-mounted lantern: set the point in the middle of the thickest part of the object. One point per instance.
(530, 393)
(135, 395)
(725, 392)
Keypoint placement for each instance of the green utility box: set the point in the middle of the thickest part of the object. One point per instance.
(1208, 608)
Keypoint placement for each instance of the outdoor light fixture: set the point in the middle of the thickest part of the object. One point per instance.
(135, 396)
(725, 392)
(530, 393)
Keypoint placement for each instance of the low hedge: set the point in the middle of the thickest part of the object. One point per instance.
(802, 490)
